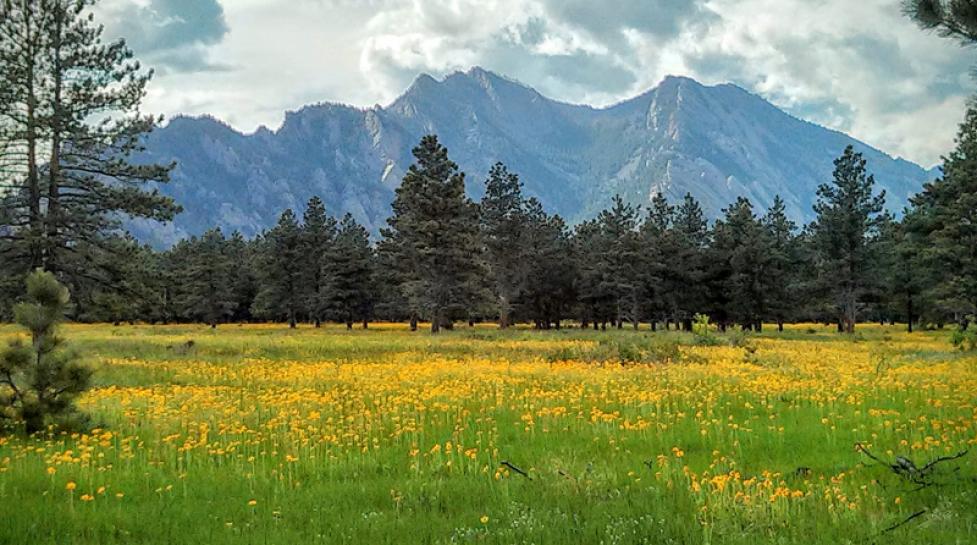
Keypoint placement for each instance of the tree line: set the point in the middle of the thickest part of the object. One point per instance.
(444, 258)
(71, 134)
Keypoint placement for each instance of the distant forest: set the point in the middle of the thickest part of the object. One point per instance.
(66, 183)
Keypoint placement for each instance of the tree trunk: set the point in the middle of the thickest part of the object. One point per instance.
(413, 322)
(54, 162)
(349, 324)
(366, 323)
(33, 177)
(780, 326)
(654, 326)
(318, 323)
(503, 312)
(436, 323)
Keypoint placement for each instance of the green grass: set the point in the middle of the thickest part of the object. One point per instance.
(320, 429)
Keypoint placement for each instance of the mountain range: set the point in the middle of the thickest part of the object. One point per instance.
(717, 142)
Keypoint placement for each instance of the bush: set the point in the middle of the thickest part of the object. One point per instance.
(702, 332)
(39, 381)
(964, 339)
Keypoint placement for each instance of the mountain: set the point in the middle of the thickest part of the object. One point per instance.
(715, 142)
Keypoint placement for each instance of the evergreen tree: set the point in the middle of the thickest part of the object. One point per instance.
(901, 270)
(659, 247)
(281, 272)
(243, 279)
(548, 292)
(783, 263)
(596, 299)
(41, 380)
(950, 18)
(71, 103)
(318, 238)
(847, 218)
(742, 249)
(503, 228)
(348, 274)
(206, 276)
(944, 217)
(691, 232)
(621, 264)
(434, 235)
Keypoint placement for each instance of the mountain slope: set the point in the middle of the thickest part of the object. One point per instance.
(715, 142)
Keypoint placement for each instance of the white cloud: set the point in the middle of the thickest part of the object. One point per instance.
(860, 66)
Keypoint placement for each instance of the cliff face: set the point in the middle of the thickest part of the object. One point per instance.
(715, 142)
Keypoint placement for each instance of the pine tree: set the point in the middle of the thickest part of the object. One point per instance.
(659, 249)
(596, 299)
(783, 262)
(434, 236)
(621, 260)
(281, 272)
(741, 249)
(318, 238)
(950, 18)
(847, 217)
(207, 279)
(900, 270)
(243, 278)
(71, 103)
(348, 274)
(691, 232)
(41, 380)
(22, 46)
(504, 229)
(548, 292)
(944, 218)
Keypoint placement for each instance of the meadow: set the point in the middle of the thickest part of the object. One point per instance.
(259, 434)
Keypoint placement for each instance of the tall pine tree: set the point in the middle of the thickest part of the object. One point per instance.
(782, 291)
(281, 272)
(318, 238)
(848, 217)
(347, 293)
(435, 238)
(71, 125)
(944, 215)
(504, 229)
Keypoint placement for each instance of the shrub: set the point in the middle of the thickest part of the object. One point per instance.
(39, 381)
(702, 332)
(964, 339)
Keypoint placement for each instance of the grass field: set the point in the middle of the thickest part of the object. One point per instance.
(257, 434)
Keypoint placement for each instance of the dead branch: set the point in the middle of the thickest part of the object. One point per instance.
(941, 459)
(906, 468)
(905, 521)
(516, 469)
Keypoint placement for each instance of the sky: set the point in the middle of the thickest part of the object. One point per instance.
(858, 66)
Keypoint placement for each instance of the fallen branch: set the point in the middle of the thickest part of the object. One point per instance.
(906, 468)
(956, 456)
(905, 521)
(516, 469)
